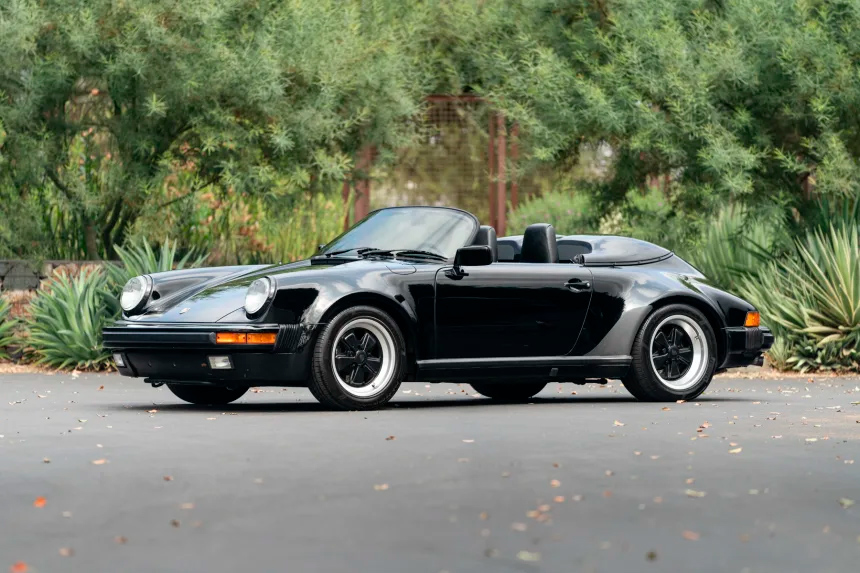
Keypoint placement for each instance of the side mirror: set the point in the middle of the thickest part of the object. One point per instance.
(320, 247)
(474, 256)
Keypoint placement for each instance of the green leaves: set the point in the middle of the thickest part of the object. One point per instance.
(812, 299)
(139, 258)
(66, 321)
(7, 327)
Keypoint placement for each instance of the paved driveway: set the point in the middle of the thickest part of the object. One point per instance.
(758, 475)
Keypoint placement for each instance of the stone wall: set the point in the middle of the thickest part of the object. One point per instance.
(16, 275)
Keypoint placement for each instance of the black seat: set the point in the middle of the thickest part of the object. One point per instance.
(539, 245)
(487, 236)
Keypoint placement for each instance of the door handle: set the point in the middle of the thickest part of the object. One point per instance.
(578, 285)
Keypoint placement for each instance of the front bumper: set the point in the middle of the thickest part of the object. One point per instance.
(745, 345)
(175, 352)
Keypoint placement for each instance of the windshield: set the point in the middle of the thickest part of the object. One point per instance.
(436, 230)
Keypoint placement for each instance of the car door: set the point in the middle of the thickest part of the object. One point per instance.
(510, 309)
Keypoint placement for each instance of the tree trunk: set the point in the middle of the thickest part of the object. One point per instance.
(92, 242)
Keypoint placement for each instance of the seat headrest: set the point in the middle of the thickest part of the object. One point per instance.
(487, 236)
(539, 244)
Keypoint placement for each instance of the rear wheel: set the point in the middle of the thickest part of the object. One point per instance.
(509, 392)
(359, 360)
(674, 355)
(200, 394)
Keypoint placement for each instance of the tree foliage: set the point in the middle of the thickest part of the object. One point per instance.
(113, 108)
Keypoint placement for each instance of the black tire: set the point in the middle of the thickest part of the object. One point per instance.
(514, 392)
(207, 395)
(353, 387)
(697, 343)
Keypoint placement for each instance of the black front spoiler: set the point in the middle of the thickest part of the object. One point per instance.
(172, 352)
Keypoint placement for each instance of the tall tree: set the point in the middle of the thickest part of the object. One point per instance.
(101, 99)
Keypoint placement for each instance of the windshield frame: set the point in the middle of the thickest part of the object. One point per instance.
(330, 245)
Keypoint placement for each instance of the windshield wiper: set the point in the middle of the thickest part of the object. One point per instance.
(358, 250)
(408, 252)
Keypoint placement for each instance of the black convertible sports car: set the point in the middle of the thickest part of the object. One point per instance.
(428, 294)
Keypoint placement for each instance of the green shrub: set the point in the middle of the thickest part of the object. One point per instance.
(569, 212)
(652, 216)
(736, 245)
(312, 221)
(139, 258)
(811, 298)
(7, 327)
(66, 321)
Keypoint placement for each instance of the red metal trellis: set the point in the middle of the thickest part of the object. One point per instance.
(443, 110)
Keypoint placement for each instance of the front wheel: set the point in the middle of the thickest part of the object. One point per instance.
(509, 392)
(674, 355)
(208, 395)
(359, 360)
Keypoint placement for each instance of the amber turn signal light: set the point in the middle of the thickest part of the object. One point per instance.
(753, 318)
(243, 338)
(231, 338)
(261, 338)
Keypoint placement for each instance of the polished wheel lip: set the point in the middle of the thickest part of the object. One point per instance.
(699, 361)
(388, 351)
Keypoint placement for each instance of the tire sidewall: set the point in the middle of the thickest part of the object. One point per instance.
(325, 384)
(649, 382)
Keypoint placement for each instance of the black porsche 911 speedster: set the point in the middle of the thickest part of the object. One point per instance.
(428, 294)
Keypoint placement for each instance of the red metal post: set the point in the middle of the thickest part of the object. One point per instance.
(501, 191)
(344, 193)
(515, 156)
(491, 163)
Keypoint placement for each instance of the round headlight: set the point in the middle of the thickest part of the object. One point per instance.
(134, 293)
(258, 295)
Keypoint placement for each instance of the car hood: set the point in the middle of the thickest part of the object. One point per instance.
(215, 299)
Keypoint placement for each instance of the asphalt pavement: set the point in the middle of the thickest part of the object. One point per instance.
(104, 474)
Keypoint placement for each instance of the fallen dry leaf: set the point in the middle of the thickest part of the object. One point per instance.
(40, 502)
(46, 460)
(19, 567)
(67, 551)
(102, 387)
(120, 539)
(694, 493)
(168, 478)
(665, 408)
(846, 503)
(484, 516)
(152, 411)
(617, 423)
(690, 535)
(811, 439)
(186, 506)
(519, 526)
(389, 438)
(380, 486)
(468, 441)
(528, 556)
(175, 522)
(100, 462)
(555, 483)
(558, 499)
(736, 451)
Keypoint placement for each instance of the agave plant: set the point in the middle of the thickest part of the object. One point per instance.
(736, 245)
(7, 327)
(66, 321)
(812, 298)
(139, 258)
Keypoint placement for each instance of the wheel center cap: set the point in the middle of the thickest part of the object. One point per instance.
(361, 357)
(673, 351)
